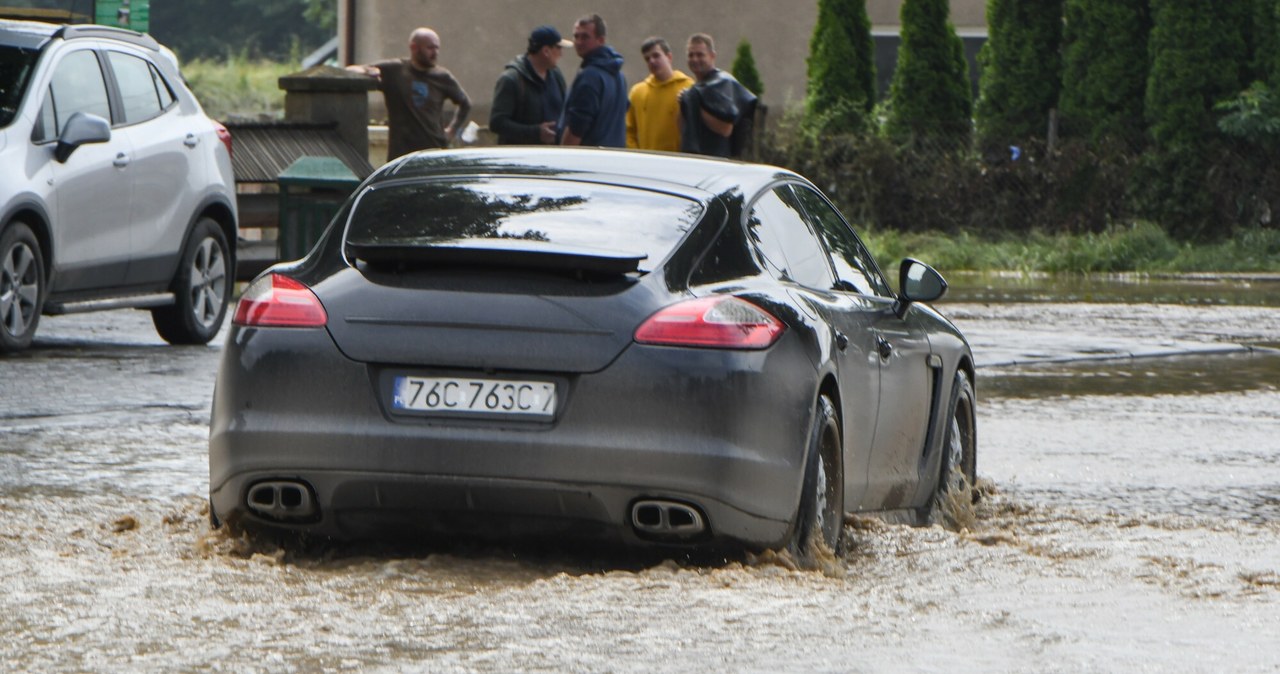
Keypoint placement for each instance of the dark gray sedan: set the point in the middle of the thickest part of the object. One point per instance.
(662, 349)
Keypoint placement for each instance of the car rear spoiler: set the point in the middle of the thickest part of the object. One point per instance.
(497, 253)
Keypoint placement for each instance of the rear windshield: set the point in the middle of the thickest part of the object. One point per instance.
(15, 70)
(528, 213)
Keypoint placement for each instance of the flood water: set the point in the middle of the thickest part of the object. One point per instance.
(1129, 437)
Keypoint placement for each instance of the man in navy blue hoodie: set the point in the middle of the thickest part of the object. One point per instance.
(596, 111)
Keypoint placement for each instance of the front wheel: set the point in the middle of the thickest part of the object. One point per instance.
(958, 471)
(21, 287)
(202, 289)
(820, 517)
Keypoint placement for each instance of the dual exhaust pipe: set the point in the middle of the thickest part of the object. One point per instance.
(654, 518)
(285, 500)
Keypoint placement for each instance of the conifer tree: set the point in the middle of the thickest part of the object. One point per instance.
(1021, 70)
(1198, 58)
(744, 69)
(1105, 68)
(842, 70)
(931, 95)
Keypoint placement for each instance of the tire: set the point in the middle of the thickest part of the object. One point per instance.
(958, 469)
(202, 288)
(820, 516)
(22, 287)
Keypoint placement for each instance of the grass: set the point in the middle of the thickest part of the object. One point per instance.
(239, 87)
(1141, 247)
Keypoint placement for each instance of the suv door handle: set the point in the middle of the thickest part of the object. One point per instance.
(191, 140)
(884, 347)
(842, 340)
(121, 161)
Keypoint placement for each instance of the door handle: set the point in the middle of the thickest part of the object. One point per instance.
(884, 347)
(121, 161)
(842, 340)
(191, 140)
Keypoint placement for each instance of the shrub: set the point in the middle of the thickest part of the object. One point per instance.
(842, 75)
(932, 98)
(1105, 70)
(744, 69)
(1021, 71)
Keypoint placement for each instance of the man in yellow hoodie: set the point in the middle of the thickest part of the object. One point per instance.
(653, 120)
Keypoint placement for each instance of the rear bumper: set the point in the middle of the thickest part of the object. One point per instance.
(721, 431)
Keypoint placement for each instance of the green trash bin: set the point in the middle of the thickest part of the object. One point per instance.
(312, 190)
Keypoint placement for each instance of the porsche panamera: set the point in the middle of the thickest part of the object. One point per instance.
(661, 349)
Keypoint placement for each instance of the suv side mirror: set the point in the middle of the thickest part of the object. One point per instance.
(918, 282)
(81, 128)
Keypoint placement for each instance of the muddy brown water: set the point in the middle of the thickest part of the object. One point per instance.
(1130, 522)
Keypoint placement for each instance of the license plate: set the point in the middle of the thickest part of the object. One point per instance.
(454, 395)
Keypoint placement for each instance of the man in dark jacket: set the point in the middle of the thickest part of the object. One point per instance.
(596, 111)
(717, 112)
(529, 95)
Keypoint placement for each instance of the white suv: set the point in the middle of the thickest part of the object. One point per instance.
(115, 189)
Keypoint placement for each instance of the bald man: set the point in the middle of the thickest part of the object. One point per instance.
(415, 90)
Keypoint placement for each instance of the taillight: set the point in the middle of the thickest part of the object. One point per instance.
(716, 322)
(224, 136)
(279, 301)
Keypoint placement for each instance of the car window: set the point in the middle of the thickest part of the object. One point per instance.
(140, 87)
(77, 86)
(852, 263)
(727, 258)
(15, 70)
(785, 244)
(524, 213)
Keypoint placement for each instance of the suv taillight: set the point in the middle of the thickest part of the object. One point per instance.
(224, 136)
(716, 322)
(278, 301)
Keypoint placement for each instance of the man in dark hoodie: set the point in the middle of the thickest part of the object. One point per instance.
(596, 112)
(529, 95)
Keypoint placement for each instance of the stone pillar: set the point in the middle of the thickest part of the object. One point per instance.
(328, 94)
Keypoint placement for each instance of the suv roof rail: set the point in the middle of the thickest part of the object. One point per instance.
(70, 32)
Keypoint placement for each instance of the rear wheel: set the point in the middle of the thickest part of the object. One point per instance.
(202, 289)
(21, 287)
(820, 517)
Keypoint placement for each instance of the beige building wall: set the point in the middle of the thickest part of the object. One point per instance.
(478, 37)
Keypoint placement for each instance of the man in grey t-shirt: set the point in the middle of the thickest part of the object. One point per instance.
(415, 90)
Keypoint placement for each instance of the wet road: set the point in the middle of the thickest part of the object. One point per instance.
(1132, 523)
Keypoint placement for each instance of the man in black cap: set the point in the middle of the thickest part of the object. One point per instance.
(530, 92)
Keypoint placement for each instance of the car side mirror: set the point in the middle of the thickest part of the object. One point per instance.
(81, 128)
(917, 282)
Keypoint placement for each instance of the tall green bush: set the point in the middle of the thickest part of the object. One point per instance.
(744, 69)
(842, 69)
(1021, 71)
(1198, 58)
(931, 98)
(1105, 67)
(1266, 41)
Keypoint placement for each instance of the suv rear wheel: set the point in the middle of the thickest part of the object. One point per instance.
(202, 289)
(21, 287)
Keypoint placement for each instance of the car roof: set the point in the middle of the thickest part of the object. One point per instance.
(35, 34)
(690, 175)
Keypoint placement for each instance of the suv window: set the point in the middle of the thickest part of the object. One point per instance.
(15, 70)
(142, 90)
(786, 246)
(853, 264)
(77, 86)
